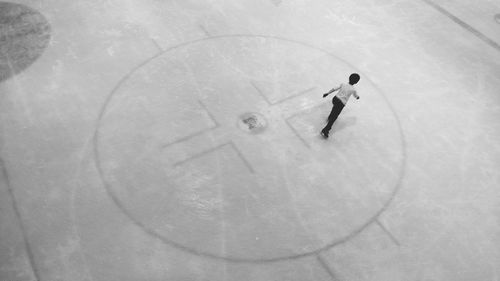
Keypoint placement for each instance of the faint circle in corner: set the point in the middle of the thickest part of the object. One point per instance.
(497, 18)
(24, 35)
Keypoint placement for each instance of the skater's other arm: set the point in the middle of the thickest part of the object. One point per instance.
(331, 91)
(355, 95)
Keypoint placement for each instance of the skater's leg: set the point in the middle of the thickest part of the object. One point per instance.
(332, 114)
(328, 127)
(336, 109)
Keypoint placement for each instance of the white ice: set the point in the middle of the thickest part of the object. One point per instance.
(125, 155)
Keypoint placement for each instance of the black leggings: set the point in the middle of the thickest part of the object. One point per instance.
(338, 105)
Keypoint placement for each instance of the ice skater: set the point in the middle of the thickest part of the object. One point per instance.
(340, 100)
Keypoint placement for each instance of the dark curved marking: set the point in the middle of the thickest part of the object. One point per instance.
(464, 25)
(327, 268)
(107, 186)
(27, 245)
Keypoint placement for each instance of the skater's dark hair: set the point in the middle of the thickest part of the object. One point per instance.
(354, 78)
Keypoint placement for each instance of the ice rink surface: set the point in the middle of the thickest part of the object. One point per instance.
(179, 140)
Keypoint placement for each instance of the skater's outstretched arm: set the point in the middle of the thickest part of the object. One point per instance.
(331, 91)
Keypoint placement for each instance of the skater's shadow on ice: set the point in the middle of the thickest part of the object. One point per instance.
(344, 123)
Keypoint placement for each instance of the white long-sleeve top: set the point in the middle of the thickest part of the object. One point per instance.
(345, 92)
